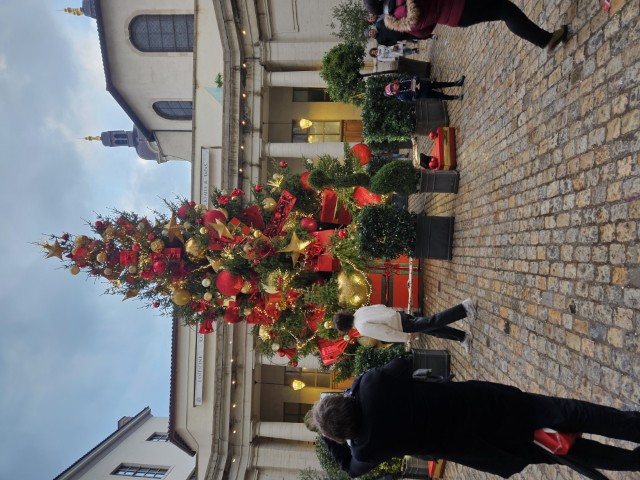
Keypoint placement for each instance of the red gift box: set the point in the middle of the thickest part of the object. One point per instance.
(363, 197)
(436, 468)
(389, 282)
(444, 149)
(332, 211)
(318, 257)
(331, 350)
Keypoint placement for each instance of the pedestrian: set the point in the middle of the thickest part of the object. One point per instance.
(389, 54)
(410, 89)
(483, 425)
(387, 37)
(419, 18)
(388, 325)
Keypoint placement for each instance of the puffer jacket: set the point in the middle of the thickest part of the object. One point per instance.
(419, 17)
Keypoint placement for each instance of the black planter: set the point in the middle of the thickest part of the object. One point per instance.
(434, 239)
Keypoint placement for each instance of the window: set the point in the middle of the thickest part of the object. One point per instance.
(310, 95)
(174, 109)
(140, 472)
(158, 437)
(318, 132)
(295, 412)
(162, 33)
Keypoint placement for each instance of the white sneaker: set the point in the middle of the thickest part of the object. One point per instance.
(466, 343)
(469, 307)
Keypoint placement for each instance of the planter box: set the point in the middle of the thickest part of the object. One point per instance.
(434, 238)
(439, 181)
(431, 114)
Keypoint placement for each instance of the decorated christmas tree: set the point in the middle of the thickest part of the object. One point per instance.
(285, 261)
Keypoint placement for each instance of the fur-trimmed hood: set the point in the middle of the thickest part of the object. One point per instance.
(408, 22)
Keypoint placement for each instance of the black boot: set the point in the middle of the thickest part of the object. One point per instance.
(424, 160)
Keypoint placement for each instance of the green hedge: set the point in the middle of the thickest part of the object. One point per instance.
(386, 232)
(385, 119)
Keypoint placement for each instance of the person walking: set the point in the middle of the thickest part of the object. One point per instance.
(410, 89)
(419, 18)
(389, 54)
(388, 325)
(483, 425)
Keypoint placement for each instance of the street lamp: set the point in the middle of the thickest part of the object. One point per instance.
(305, 123)
(298, 385)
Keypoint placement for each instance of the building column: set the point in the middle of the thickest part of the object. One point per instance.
(284, 431)
(284, 455)
(304, 150)
(301, 79)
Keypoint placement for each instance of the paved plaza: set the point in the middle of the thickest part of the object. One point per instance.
(547, 217)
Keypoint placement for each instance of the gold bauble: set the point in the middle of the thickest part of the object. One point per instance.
(81, 240)
(368, 342)
(328, 324)
(269, 204)
(195, 250)
(353, 290)
(101, 257)
(74, 270)
(108, 271)
(208, 296)
(257, 233)
(132, 269)
(247, 311)
(264, 331)
(109, 232)
(157, 246)
(200, 209)
(181, 297)
(203, 230)
(246, 287)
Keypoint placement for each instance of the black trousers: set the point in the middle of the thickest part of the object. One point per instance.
(565, 415)
(479, 11)
(427, 90)
(436, 325)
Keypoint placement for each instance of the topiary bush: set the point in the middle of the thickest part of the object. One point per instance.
(386, 232)
(398, 176)
(385, 119)
(341, 70)
(367, 358)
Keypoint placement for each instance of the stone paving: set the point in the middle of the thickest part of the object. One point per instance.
(548, 211)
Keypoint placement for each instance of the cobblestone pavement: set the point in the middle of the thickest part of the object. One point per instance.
(548, 211)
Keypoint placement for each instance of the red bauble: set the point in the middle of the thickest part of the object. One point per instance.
(342, 233)
(151, 236)
(309, 224)
(304, 181)
(280, 353)
(65, 236)
(283, 164)
(211, 216)
(192, 203)
(99, 224)
(183, 211)
(135, 247)
(156, 304)
(229, 284)
(294, 364)
(433, 164)
(362, 153)
(232, 316)
(433, 135)
(159, 267)
(258, 188)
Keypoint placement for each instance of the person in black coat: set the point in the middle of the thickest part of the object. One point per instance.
(483, 425)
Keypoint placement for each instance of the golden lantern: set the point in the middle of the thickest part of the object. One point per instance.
(297, 385)
(305, 123)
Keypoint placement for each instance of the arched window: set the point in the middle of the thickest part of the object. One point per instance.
(174, 109)
(162, 33)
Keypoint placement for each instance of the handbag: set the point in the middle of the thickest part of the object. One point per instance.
(432, 366)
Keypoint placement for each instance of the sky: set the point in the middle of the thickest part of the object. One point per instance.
(72, 359)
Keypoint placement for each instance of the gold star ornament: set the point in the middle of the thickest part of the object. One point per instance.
(297, 247)
(175, 230)
(54, 250)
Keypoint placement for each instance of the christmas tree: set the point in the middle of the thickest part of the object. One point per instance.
(285, 261)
